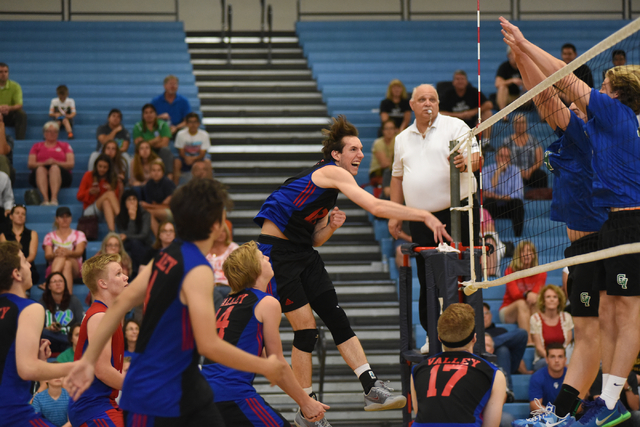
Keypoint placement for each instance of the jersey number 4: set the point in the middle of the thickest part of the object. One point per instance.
(223, 321)
(461, 371)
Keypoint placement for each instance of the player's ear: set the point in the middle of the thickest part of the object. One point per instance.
(15, 275)
(335, 155)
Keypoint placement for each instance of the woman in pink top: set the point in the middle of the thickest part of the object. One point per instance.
(218, 254)
(50, 162)
(521, 296)
(64, 247)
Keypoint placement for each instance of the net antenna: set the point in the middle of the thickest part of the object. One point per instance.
(603, 47)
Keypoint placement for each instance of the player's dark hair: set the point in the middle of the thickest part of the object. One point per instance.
(196, 206)
(333, 137)
(569, 46)
(625, 80)
(9, 261)
(618, 52)
(556, 346)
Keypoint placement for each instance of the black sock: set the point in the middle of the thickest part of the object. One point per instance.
(368, 379)
(568, 401)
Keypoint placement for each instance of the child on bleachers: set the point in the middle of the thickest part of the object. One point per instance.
(157, 194)
(63, 109)
(141, 165)
(67, 355)
(52, 403)
(98, 192)
(192, 144)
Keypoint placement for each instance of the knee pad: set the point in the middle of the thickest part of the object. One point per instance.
(333, 316)
(305, 339)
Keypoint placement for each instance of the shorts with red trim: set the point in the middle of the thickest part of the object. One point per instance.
(110, 418)
(252, 411)
(36, 420)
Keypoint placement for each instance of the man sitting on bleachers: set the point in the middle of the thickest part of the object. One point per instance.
(509, 345)
(6, 152)
(461, 101)
(11, 103)
(545, 384)
(508, 81)
(172, 107)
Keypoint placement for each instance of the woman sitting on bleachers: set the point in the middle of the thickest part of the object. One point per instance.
(112, 244)
(157, 194)
(98, 192)
(382, 158)
(64, 248)
(141, 164)
(521, 297)
(395, 106)
(119, 162)
(527, 153)
(61, 310)
(165, 235)
(50, 162)
(131, 330)
(21, 234)
(133, 225)
(218, 254)
(551, 325)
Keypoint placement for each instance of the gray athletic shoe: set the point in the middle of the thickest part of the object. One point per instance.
(380, 398)
(300, 421)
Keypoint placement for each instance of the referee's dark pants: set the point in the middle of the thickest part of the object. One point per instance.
(423, 236)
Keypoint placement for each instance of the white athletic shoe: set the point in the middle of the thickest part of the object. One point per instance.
(301, 421)
(380, 398)
(425, 348)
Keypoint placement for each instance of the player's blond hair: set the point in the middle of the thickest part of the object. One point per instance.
(457, 322)
(95, 269)
(625, 79)
(242, 268)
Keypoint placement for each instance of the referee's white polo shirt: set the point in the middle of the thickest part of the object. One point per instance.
(423, 164)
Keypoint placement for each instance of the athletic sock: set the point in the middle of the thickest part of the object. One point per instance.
(611, 390)
(605, 378)
(366, 376)
(568, 401)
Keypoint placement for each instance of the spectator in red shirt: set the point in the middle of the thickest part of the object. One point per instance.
(521, 296)
(98, 192)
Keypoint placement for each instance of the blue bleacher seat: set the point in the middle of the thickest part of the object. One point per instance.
(518, 410)
(521, 386)
(494, 293)
(529, 354)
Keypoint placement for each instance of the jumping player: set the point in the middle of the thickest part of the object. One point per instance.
(615, 142)
(569, 159)
(164, 386)
(97, 407)
(249, 318)
(23, 355)
(456, 387)
(294, 219)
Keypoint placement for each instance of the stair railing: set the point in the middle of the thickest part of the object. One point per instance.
(229, 21)
(270, 26)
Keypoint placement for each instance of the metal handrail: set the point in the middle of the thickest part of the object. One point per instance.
(223, 5)
(262, 18)
(229, 20)
(270, 26)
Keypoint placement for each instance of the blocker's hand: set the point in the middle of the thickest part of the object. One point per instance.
(512, 34)
(439, 230)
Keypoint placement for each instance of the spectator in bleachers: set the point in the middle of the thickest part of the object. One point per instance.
(202, 169)
(583, 72)
(521, 297)
(113, 130)
(217, 255)
(131, 330)
(461, 101)
(165, 235)
(52, 403)
(628, 397)
(509, 346)
(141, 164)
(192, 144)
(382, 159)
(508, 81)
(67, 355)
(112, 244)
(50, 162)
(395, 106)
(157, 133)
(545, 383)
(6, 200)
(134, 227)
(551, 324)
(404, 234)
(63, 109)
(11, 103)
(64, 248)
(6, 151)
(61, 310)
(28, 239)
(98, 192)
(119, 162)
(527, 153)
(504, 190)
(157, 195)
(619, 57)
(171, 106)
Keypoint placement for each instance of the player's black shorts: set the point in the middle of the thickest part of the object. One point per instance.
(299, 275)
(583, 284)
(251, 412)
(622, 272)
(206, 416)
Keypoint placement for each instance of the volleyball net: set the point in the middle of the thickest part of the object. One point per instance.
(528, 178)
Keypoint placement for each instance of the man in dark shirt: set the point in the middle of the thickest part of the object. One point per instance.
(583, 72)
(113, 130)
(461, 101)
(508, 81)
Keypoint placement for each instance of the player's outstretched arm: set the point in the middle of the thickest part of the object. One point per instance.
(493, 411)
(105, 371)
(269, 313)
(336, 177)
(29, 346)
(197, 294)
(81, 376)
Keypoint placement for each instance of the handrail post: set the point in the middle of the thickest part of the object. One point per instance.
(270, 24)
(177, 8)
(298, 9)
(229, 20)
(262, 18)
(223, 5)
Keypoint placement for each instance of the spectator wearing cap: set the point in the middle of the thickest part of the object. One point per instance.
(64, 248)
(171, 106)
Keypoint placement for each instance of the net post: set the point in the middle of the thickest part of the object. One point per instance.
(455, 196)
